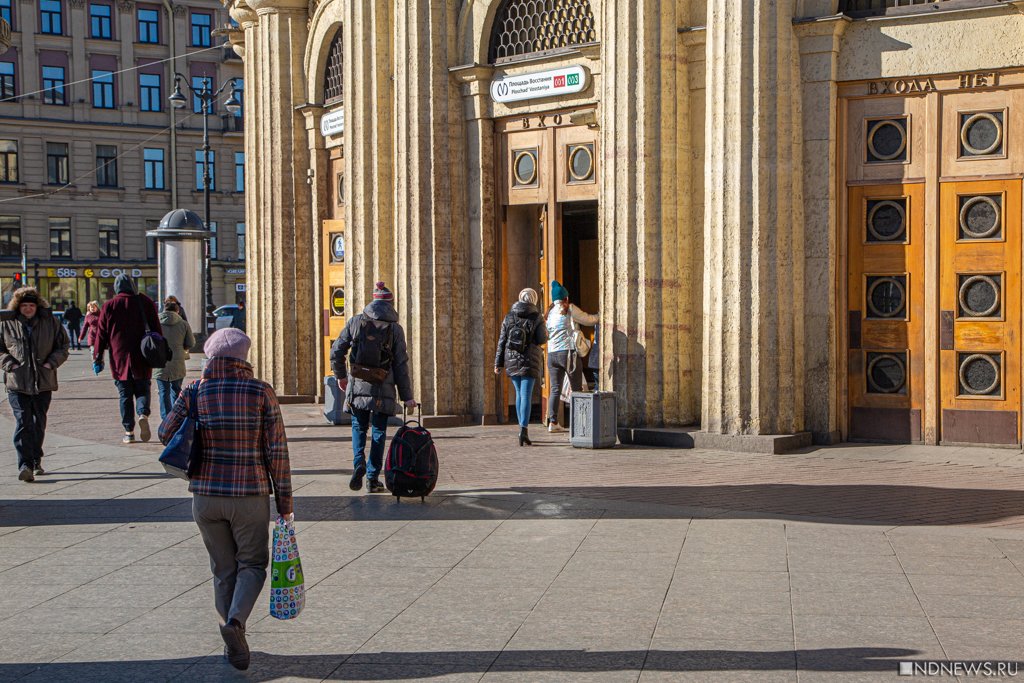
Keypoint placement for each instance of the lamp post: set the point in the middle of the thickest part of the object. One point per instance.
(206, 96)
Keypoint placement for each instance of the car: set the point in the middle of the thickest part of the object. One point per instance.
(231, 315)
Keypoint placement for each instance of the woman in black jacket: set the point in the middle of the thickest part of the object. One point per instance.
(522, 334)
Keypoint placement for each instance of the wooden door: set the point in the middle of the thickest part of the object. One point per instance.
(980, 316)
(886, 312)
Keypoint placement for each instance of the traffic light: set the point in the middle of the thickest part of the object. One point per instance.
(19, 280)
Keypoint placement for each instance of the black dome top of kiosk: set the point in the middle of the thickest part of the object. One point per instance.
(181, 219)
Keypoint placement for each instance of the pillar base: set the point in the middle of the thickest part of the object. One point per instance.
(771, 444)
(657, 437)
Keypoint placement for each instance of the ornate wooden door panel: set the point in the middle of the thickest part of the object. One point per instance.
(886, 312)
(980, 317)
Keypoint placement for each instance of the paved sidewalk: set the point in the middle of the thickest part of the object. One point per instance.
(530, 564)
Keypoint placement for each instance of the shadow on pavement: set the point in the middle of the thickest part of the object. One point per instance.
(417, 665)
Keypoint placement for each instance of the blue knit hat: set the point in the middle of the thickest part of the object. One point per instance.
(558, 292)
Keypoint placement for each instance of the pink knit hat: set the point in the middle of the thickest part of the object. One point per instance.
(228, 343)
(383, 292)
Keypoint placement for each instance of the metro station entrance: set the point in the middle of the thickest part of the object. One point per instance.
(547, 216)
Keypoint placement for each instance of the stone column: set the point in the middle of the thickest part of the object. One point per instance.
(650, 269)
(283, 300)
(369, 149)
(753, 230)
(431, 240)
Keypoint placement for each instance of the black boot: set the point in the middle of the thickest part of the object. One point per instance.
(524, 437)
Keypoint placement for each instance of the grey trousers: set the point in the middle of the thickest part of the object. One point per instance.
(236, 532)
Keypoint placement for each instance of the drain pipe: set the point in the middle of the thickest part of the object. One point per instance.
(174, 124)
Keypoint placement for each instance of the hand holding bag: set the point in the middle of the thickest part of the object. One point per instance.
(287, 586)
(184, 452)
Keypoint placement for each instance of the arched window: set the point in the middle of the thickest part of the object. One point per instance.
(334, 76)
(529, 27)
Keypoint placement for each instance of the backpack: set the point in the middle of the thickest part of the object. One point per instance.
(154, 347)
(370, 358)
(411, 466)
(520, 331)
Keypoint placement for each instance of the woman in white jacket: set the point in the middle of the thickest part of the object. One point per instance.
(561, 354)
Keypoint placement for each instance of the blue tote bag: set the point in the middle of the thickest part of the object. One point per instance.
(184, 451)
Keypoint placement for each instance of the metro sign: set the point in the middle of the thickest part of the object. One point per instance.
(539, 84)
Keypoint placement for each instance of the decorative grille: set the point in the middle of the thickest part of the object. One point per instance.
(867, 8)
(334, 77)
(526, 27)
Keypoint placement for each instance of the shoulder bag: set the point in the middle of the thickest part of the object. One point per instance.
(184, 452)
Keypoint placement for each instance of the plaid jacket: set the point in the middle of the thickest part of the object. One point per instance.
(242, 431)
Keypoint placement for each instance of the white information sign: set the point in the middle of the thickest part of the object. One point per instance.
(552, 83)
(333, 123)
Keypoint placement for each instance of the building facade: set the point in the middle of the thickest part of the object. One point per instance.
(92, 154)
(795, 217)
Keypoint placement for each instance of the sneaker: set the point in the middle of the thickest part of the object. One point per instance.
(553, 428)
(374, 486)
(129, 437)
(39, 469)
(26, 474)
(356, 482)
(236, 649)
(144, 432)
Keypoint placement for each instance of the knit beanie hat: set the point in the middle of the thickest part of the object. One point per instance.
(230, 342)
(383, 293)
(558, 292)
(529, 296)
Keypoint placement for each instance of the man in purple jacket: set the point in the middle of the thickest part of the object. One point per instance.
(121, 327)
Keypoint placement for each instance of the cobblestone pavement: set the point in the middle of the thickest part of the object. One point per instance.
(529, 564)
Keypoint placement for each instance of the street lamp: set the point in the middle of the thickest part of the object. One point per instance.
(206, 96)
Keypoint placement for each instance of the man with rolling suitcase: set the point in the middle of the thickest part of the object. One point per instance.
(377, 374)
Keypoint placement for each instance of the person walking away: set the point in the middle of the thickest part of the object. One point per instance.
(562, 358)
(522, 334)
(244, 460)
(170, 298)
(379, 363)
(33, 344)
(178, 334)
(121, 327)
(90, 326)
(73, 319)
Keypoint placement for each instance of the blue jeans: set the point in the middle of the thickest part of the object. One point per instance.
(361, 421)
(524, 398)
(168, 391)
(132, 391)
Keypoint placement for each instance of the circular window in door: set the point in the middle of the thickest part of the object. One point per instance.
(887, 220)
(524, 167)
(981, 217)
(887, 140)
(887, 296)
(981, 134)
(979, 296)
(979, 374)
(581, 163)
(887, 373)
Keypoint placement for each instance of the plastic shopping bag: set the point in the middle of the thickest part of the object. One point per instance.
(287, 587)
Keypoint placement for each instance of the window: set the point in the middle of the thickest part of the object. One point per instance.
(10, 236)
(149, 26)
(102, 89)
(213, 239)
(8, 161)
(334, 77)
(151, 247)
(149, 92)
(524, 27)
(239, 171)
(240, 240)
(109, 238)
(53, 85)
(201, 24)
(199, 83)
(153, 160)
(57, 163)
(50, 16)
(199, 170)
(99, 21)
(7, 85)
(240, 93)
(106, 165)
(60, 237)
(6, 12)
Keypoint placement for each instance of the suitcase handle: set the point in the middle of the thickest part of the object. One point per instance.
(419, 415)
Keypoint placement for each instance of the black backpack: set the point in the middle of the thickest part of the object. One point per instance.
(156, 352)
(411, 467)
(520, 332)
(370, 358)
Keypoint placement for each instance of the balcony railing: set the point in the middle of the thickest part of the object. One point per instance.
(871, 8)
(5, 36)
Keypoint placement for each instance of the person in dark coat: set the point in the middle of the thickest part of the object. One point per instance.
(121, 327)
(522, 333)
(92, 319)
(372, 404)
(33, 344)
(73, 318)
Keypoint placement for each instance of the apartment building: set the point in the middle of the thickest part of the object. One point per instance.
(92, 154)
